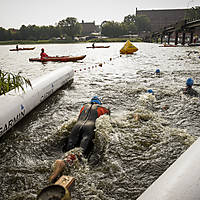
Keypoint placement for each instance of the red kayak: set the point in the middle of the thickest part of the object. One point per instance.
(168, 45)
(21, 49)
(58, 59)
(99, 47)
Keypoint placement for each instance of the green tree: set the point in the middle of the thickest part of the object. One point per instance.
(113, 29)
(142, 23)
(129, 19)
(33, 32)
(137, 23)
(130, 23)
(54, 31)
(70, 27)
(44, 33)
(24, 32)
(3, 34)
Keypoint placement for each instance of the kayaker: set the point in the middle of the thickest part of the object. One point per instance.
(189, 90)
(81, 135)
(43, 55)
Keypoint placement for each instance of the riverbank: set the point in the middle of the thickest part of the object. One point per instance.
(69, 41)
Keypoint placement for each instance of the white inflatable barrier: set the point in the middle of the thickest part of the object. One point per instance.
(181, 181)
(16, 104)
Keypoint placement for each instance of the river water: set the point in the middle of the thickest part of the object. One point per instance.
(132, 153)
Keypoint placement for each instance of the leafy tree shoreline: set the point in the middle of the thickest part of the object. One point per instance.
(100, 40)
(10, 42)
(67, 29)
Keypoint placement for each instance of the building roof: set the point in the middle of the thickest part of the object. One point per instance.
(89, 27)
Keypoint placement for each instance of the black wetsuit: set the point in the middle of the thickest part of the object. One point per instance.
(190, 91)
(82, 133)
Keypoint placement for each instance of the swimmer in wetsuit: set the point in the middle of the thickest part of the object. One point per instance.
(189, 90)
(82, 134)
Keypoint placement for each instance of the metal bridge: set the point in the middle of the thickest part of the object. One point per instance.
(181, 27)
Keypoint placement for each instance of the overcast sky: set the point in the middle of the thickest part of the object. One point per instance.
(15, 13)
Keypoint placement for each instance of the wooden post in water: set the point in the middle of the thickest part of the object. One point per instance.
(191, 37)
(183, 38)
(168, 40)
(161, 39)
(156, 39)
(176, 37)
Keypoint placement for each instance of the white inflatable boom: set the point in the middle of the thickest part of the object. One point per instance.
(181, 181)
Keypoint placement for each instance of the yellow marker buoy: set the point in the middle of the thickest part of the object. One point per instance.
(128, 48)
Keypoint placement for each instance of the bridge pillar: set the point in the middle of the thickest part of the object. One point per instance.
(168, 40)
(176, 38)
(157, 39)
(191, 37)
(161, 39)
(183, 38)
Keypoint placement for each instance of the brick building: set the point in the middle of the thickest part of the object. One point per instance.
(162, 18)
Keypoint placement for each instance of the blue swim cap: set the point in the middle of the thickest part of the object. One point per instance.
(150, 91)
(189, 82)
(157, 71)
(95, 99)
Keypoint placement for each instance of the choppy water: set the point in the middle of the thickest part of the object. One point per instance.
(133, 153)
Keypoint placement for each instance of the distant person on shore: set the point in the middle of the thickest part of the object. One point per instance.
(43, 54)
(81, 135)
(17, 47)
(189, 90)
(93, 45)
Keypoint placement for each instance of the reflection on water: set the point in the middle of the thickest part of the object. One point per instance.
(133, 152)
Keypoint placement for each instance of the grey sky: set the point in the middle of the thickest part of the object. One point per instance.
(14, 13)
